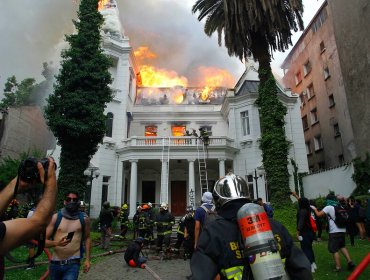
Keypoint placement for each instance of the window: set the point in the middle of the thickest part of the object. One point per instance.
(307, 68)
(310, 91)
(336, 130)
(326, 73)
(331, 101)
(245, 123)
(318, 143)
(207, 128)
(314, 117)
(319, 21)
(150, 130)
(321, 165)
(302, 98)
(298, 77)
(322, 47)
(341, 159)
(109, 125)
(178, 130)
(104, 194)
(308, 148)
(305, 123)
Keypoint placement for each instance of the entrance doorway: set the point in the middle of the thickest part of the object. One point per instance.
(178, 198)
(148, 192)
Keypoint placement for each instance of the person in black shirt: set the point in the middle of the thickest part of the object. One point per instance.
(106, 219)
(132, 253)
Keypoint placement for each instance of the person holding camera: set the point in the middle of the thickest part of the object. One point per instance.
(16, 232)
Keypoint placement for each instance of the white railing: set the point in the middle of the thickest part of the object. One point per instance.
(185, 141)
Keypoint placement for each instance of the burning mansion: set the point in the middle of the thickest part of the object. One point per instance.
(155, 150)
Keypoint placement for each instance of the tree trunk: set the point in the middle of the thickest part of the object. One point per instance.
(273, 141)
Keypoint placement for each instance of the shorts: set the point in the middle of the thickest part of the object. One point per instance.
(336, 241)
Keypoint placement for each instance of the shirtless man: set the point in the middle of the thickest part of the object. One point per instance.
(66, 258)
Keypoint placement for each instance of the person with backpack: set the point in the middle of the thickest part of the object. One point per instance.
(207, 208)
(337, 217)
(305, 229)
(69, 235)
(220, 247)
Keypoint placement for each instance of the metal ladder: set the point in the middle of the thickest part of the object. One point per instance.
(202, 164)
(165, 174)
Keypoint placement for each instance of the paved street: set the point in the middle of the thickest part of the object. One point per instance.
(114, 267)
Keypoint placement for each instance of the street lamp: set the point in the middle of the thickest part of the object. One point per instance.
(91, 173)
(255, 177)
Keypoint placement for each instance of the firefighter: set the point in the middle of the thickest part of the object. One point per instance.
(204, 136)
(151, 225)
(144, 223)
(123, 216)
(220, 247)
(189, 229)
(180, 235)
(132, 254)
(135, 220)
(164, 222)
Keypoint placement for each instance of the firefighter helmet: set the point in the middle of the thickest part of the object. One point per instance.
(145, 207)
(229, 188)
(189, 209)
(150, 204)
(164, 206)
(138, 208)
(124, 206)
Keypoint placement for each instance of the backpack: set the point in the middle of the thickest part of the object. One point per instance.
(313, 222)
(210, 216)
(341, 216)
(82, 221)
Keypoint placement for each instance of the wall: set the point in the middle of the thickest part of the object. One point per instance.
(337, 179)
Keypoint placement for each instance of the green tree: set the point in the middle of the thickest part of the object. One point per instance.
(17, 94)
(75, 111)
(257, 27)
(361, 175)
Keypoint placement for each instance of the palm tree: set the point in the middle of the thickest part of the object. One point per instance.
(256, 28)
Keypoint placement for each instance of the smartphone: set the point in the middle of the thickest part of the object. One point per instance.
(70, 235)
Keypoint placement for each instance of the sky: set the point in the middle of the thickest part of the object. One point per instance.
(32, 32)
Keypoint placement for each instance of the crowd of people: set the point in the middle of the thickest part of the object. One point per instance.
(218, 235)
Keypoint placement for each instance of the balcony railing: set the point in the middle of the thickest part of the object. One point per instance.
(185, 141)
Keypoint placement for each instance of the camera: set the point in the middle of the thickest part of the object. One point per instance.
(29, 172)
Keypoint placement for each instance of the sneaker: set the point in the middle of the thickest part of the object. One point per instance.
(351, 266)
(312, 268)
(337, 270)
(314, 265)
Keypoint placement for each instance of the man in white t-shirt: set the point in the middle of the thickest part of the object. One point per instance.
(337, 235)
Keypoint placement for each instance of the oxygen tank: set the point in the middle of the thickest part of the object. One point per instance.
(259, 244)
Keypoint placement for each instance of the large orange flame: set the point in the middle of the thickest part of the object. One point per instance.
(209, 77)
(101, 4)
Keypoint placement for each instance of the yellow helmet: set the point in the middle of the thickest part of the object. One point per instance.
(125, 206)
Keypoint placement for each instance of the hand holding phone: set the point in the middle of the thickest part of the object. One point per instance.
(70, 235)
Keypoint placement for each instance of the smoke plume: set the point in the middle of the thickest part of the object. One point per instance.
(32, 32)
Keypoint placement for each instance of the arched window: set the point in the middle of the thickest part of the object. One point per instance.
(109, 125)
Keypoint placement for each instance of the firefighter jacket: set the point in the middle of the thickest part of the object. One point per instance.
(164, 222)
(143, 220)
(220, 250)
(123, 217)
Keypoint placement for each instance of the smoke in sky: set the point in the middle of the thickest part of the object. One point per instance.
(32, 32)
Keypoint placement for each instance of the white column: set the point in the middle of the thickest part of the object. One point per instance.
(164, 182)
(191, 194)
(133, 187)
(221, 167)
(119, 186)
